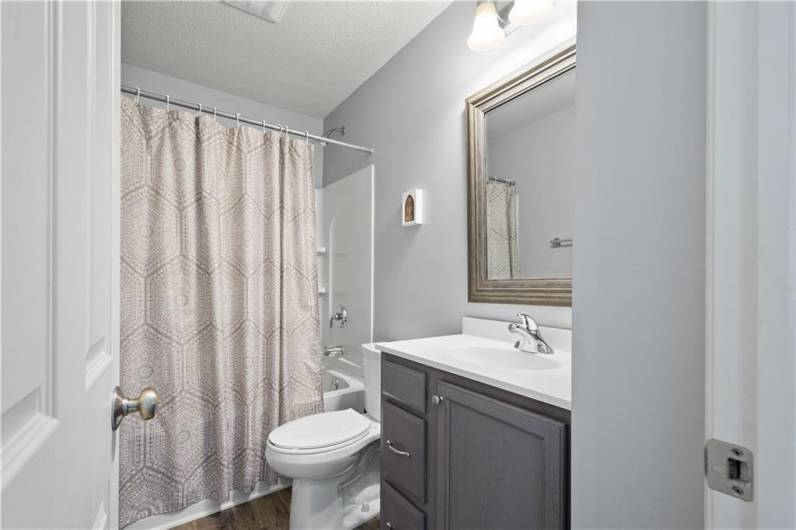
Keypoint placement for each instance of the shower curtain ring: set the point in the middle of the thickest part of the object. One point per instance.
(237, 121)
(137, 95)
(307, 136)
(214, 114)
(263, 126)
(199, 112)
(168, 103)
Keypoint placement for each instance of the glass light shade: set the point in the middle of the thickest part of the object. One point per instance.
(525, 12)
(487, 33)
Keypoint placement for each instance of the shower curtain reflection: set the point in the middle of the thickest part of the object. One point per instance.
(503, 261)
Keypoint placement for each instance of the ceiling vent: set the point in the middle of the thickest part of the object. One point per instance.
(267, 10)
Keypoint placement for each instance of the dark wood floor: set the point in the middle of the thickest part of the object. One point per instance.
(271, 512)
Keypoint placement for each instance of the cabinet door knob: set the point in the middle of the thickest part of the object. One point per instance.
(388, 524)
(436, 400)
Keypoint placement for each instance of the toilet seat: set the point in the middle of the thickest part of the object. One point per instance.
(320, 433)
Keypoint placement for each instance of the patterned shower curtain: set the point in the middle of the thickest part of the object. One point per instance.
(503, 260)
(219, 307)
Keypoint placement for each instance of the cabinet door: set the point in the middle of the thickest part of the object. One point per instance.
(497, 465)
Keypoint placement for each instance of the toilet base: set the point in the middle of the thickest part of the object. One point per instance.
(343, 502)
(316, 505)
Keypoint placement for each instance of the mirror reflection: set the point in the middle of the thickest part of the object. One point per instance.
(530, 165)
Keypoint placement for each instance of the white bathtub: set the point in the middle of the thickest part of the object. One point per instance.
(342, 391)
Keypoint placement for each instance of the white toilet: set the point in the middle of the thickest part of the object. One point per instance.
(333, 459)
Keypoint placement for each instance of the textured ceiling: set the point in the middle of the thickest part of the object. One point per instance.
(309, 63)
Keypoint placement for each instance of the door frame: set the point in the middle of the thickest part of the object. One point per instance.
(116, 86)
(751, 254)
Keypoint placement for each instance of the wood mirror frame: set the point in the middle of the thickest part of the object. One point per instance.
(532, 291)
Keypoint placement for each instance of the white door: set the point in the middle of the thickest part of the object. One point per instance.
(751, 266)
(60, 263)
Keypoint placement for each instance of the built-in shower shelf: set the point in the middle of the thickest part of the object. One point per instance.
(321, 250)
(321, 290)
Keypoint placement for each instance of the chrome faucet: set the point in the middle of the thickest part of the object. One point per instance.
(529, 335)
(334, 351)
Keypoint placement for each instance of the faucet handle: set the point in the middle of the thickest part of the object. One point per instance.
(340, 317)
(528, 321)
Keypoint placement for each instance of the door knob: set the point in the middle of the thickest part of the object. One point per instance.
(145, 405)
(436, 400)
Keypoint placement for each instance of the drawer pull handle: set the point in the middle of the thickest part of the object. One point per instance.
(436, 400)
(397, 451)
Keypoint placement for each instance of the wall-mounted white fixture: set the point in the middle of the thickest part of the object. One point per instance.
(525, 12)
(487, 31)
(490, 26)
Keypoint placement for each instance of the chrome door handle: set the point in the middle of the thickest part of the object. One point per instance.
(145, 405)
(397, 451)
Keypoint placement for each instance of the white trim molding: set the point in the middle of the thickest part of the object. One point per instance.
(751, 254)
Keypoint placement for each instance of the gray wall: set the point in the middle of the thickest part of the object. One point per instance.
(639, 266)
(412, 112)
(178, 88)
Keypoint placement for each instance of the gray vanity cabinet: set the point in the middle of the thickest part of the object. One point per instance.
(458, 454)
(497, 465)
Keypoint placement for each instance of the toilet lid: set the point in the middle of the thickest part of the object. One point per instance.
(321, 430)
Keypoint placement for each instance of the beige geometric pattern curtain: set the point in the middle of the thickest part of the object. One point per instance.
(503, 260)
(219, 307)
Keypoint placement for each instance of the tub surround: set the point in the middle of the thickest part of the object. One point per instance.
(484, 352)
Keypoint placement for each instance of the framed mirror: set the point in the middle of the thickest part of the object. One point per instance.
(521, 164)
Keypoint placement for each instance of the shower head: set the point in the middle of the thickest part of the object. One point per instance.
(333, 130)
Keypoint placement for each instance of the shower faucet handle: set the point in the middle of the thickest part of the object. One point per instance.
(145, 405)
(340, 317)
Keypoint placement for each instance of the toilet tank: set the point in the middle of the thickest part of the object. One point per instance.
(371, 362)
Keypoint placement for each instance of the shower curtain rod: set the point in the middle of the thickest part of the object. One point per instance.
(502, 180)
(323, 140)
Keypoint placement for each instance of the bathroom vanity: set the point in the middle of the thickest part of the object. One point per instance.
(475, 434)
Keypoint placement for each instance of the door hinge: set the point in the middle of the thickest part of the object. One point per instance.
(729, 469)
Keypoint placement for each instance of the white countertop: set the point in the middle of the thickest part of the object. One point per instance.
(546, 378)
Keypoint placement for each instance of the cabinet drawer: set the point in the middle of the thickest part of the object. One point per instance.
(403, 451)
(397, 513)
(404, 384)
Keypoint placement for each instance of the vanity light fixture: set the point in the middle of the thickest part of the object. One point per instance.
(525, 12)
(490, 26)
(487, 31)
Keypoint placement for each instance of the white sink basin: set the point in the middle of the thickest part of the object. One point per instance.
(503, 358)
(485, 353)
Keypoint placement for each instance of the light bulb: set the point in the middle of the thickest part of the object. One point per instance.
(487, 33)
(525, 12)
